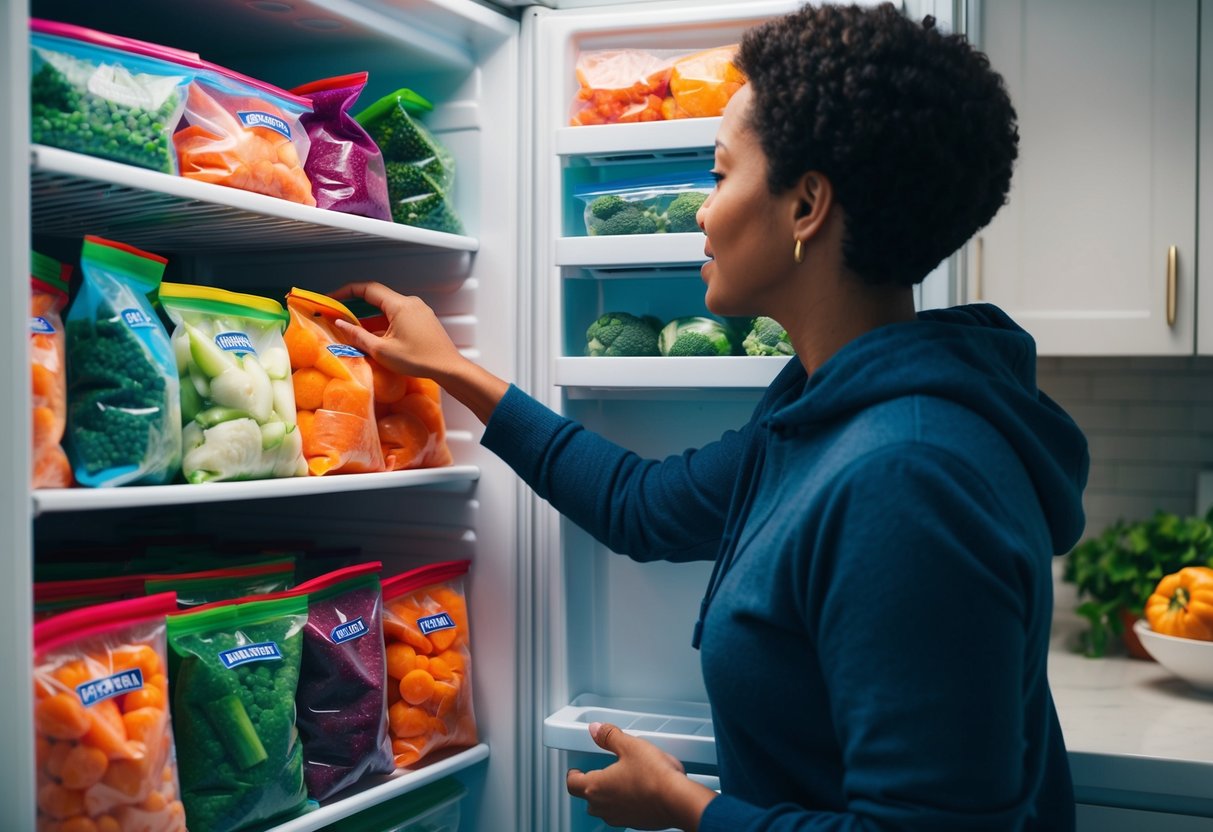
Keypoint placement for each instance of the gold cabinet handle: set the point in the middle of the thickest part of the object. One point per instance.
(978, 258)
(1172, 283)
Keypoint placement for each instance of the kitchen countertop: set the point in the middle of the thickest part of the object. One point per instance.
(1138, 736)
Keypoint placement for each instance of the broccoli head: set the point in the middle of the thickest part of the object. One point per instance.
(695, 335)
(417, 199)
(767, 337)
(628, 221)
(608, 206)
(619, 334)
(682, 211)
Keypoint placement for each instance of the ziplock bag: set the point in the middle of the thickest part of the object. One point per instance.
(344, 165)
(646, 205)
(342, 699)
(106, 96)
(237, 402)
(246, 134)
(429, 661)
(334, 388)
(56, 597)
(104, 741)
(702, 83)
(408, 415)
(621, 86)
(124, 412)
(420, 170)
(193, 589)
(48, 370)
(234, 670)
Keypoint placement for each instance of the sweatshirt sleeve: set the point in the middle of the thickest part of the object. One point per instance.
(672, 509)
(926, 599)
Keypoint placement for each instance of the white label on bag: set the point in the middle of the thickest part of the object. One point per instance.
(432, 623)
(40, 325)
(254, 118)
(136, 318)
(116, 685)
(237, 342)
(345, 351)
(348, 631)
(265, 651)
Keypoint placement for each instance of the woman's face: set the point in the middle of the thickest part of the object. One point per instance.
(749, 229)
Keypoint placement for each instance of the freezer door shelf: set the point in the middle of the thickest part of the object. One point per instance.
(379, 789)
(664, 373)
(681, 139)
(683, 729)
(631, 251)
(73, 194)
(140, 496)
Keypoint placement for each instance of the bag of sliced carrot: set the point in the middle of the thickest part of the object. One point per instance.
(429, 661)
(244, 134)
(48, 367)
(334, 389)
(104, 740)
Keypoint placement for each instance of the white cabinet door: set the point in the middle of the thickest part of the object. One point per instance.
(1204, 303)
(1105, 187)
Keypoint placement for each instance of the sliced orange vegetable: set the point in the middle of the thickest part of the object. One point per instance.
(302, 343)
(107, 731)
(83, 766)
(389, 386)
(309, 384)
(417, 686)
(347, 396)
(61, 717)
(401, 658)
(59, 801)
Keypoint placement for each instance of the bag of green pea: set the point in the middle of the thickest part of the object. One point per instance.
(124, 413)
(237, 399)
(233, 672)
(105, 95)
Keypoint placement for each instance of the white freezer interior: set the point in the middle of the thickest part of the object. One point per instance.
(464, 58)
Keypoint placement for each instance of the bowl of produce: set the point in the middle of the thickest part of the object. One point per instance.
(1190, 659)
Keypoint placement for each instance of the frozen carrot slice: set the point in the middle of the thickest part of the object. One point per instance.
(401, 658)
(347, 396)
(107, 731)
(83, 766)
(389, 386)
(309, 384)
(61, 717)
(59, 801)
(417, 686)
(302, 342)
(405, 440)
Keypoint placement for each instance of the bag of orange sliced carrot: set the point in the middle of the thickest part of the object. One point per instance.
(408, 415)
(48, 367)
(429, 661)
(104, 740)
(243, 133)
(334, 389)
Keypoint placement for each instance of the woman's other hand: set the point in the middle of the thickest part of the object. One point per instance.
(646, 788)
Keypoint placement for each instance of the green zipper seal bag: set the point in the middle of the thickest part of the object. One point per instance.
(233, 672)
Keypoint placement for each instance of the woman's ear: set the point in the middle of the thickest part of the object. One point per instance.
(813, 198)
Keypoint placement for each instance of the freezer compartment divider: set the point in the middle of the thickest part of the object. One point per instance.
(683, 729)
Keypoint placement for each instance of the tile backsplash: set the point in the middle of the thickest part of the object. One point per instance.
(1149, 424)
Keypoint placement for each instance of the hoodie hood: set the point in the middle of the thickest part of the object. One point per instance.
(974, 356)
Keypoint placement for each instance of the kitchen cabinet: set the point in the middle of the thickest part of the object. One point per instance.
(1095, 251)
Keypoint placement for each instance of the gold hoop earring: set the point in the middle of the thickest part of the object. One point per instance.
(798, 252)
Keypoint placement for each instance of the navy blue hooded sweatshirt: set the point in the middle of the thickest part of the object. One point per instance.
(875, 634)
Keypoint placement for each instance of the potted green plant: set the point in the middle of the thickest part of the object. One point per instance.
(1116, 571)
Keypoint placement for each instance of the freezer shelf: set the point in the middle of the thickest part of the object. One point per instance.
(634, 251)
(73, 195)
(139, 496)
(382, 789)
(683, 729)
(682, 139)
(663, 373)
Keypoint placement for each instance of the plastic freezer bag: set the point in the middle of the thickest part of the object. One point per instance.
(344, 165)
(206, 586)
(342, 698)
(106, 96)
(124, 413)
(48, 370)
(334, 389)
(237, 401)
(234, 669)
(701, 84)
(429, 661)
(621, 86)
(244, 134)
(104, 739)
(649, 205)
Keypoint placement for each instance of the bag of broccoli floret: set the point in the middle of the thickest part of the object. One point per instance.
(237, 401)
(233, 671)
(662, 204)
(342, 698)
(124, 414)
(344, 165)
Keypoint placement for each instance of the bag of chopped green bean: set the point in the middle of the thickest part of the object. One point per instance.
(107, 96)
(123, 407)
(233, 672)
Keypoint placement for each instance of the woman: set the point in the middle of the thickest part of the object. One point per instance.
(883, 527)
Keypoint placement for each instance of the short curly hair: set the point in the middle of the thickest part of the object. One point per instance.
(913, 128)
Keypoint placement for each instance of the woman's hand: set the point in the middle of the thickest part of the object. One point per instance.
(646, 788)
(415, 344)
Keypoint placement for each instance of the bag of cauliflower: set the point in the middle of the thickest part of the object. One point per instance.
(237, 402)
